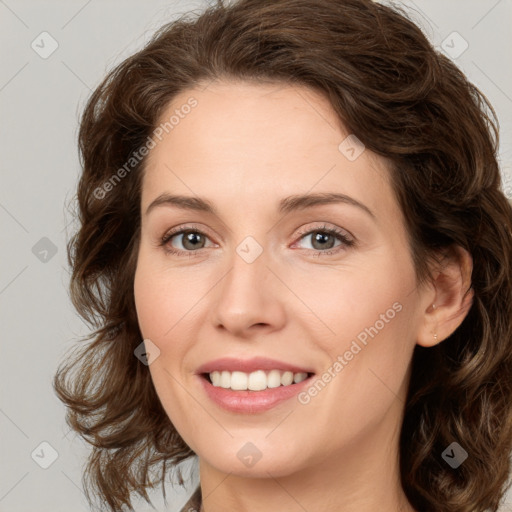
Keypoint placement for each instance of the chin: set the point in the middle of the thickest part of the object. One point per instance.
(245, 459)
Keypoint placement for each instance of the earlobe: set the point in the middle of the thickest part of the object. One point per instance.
(436, 340)
(453, 298)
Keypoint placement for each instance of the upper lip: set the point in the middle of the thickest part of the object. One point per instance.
(249, 365)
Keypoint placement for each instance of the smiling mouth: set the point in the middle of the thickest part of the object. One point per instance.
(258, 380)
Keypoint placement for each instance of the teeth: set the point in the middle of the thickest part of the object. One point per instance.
(286, 378)
(239, 381)
(274, 379)
(255, 381)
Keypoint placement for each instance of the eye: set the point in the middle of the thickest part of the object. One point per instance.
(191, 239)
(323, 239)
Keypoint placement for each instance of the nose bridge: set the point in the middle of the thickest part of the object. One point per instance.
(249, 294)
(248, 277)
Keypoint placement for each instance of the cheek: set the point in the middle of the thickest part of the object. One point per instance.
(369, 319)
(148, 303)
(160, 310)
(167, 306)
(353, 301)
(161, 298)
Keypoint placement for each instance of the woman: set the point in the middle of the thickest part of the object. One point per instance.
(296, 252)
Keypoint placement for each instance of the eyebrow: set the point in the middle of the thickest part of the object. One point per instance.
(286, 205)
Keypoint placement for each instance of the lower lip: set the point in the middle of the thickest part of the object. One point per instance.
(251, 401)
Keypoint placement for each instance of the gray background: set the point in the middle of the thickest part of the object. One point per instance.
(40, 100)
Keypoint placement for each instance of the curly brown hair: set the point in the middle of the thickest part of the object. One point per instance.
(405, 101)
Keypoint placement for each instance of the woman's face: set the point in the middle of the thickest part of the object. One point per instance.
(259, 287)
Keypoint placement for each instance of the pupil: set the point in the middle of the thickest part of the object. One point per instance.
(322, 237)
(193, 238)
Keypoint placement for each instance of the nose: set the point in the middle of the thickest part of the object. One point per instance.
(249, 300)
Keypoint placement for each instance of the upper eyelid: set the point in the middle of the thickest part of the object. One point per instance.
(302, 231)
(327, 227)
(181, 229)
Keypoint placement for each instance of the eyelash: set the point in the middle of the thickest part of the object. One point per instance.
(346, 241)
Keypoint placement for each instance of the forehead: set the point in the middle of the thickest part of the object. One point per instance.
(243, 140)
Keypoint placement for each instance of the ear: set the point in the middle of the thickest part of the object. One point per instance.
(453, 297)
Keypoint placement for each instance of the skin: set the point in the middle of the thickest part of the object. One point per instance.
(244, 147)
